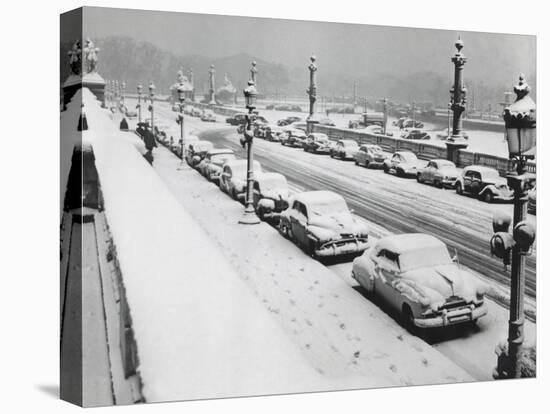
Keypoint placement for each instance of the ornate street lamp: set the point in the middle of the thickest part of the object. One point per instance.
(458, 92)
(385, 103)
(212, 89)
(181, 96)
(312, 92)
(250, 97)
(122, 92)
(151, 106)
(520, 124)
(138, 106)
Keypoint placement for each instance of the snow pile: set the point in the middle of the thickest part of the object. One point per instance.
(200, 332)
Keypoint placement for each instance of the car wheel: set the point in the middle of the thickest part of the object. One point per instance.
(487, 197)
(386, 169)
(399, 172)
(419, 178)
(356, 162)
(407, 319)
(438, 183)
(367, 163)
(458, 188)
(233, 194)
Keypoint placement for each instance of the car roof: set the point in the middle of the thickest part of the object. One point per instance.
(402, 243)
(315, 197)
(406, 153)
(481, 169)
(271, 177)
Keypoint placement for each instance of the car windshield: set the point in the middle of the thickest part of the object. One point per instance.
(409, 156)
(424, 257)
(334, 206)
(446, 164)
(202, 146)
(350, 144)
(375, 149)
(221, 158)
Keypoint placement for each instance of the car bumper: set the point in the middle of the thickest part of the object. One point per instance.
(454, 317)
(322, 150)
(448, 182)
(342, 247)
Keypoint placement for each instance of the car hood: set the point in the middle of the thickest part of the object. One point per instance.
(434, 285)
(330, 226)
(451, 171)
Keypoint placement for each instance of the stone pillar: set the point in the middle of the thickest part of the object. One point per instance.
(456, 140)
(212, 89)
(312, 92)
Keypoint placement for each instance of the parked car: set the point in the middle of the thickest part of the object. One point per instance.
(208, 117)
(317, 143)
(327, 122)
(405, 122)
(238, 119)
(322, 225)
(259, 130)
(196, 112)
(233, 177)
(416, 134)
(439, 172)
(532, 201)
(131, 114)
(212, 164)
(345, 149)
(293, 137)
(484, 183)
(175, 107)
(270, 195)
(196, 151)
(274, 133)
(288, 120)
(414, 276)
(370, 155)
(402, 164)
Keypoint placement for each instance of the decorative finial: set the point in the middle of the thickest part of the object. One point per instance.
(250, 82)
(459, 44)
(522, 89)
(312, 58)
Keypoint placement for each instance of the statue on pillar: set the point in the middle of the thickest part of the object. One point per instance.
(90, 56)
(75, 58)
(253, 72)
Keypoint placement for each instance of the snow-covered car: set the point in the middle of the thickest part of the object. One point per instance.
(327, 122)
(408, 123)
(196, 151)
(233, 177)
(237, 119)
(131, 114)
(274, 133)
(208, 117)
(484, 183)
(439, 172)
(402, 164)
(270, 195)
(532, 201)
(374, 129)
(370, 155)
(415, 134)
(288, 120)
(189, 139)
(414, 275)
(293, 137)
(259, 130)
(345, 149)
(322, 225)
(317, 143)
(212, 164)
(196, 112)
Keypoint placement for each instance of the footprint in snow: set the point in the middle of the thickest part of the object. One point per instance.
(400, 337)
(308, 346)
(309, 322)
(291, 301)
(356, 354)
(425, 362)
(342, 326)
(393, 368)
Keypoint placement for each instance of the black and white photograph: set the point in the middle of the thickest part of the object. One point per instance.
(317, 207)
(270, 207)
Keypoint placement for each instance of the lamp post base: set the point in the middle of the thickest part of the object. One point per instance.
(454, 144)
(249, 216)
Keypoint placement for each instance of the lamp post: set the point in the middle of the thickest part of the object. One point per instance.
(520, 125)
(181, 96)
(385, 103)
(250, 95)
(312, 92)
(212, 89)
(456, 141)
(152, 106)
(122, 92)
(138, 106)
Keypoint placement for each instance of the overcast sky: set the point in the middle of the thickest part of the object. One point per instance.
(348, 48)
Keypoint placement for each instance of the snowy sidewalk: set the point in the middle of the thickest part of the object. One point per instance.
(343, 336)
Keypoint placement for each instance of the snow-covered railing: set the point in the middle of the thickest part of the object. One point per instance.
(423, 150)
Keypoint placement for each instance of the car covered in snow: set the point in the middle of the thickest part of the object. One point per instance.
(208, 117)
(237, 119)
(414, 275)
(446, 134)
(189, 139)
(274, 133)
(439, 172)
(212, 164)
(293, 137)
(370, 155)
(318, 143)
(270, 195)
(415, 134)
(345, 149)
(484, 183)
(233, 177)
(288, 120)
(402, 164)
(196, 112)
(196, 151)
(327, 122)
(299, 125)
(322, 225)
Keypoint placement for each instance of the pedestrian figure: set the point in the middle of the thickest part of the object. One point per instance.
(150, 143)
(124, 125)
